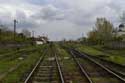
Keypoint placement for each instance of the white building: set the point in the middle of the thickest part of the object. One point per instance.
(121, 30)
(41, 40)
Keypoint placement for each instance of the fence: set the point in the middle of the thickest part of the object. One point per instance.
(115, 45)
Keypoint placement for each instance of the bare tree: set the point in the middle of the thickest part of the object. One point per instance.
(26, 33)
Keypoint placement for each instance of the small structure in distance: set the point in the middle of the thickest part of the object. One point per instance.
(41, 40)
(120, 31)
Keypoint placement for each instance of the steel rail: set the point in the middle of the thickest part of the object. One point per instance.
(108, 70)
(35, 67)
(59, 69)
(81, 68)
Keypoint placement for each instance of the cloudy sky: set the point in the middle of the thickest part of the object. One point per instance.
(59, 18)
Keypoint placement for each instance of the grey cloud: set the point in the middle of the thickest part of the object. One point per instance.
(27, 24)
(61, 18)
(5, 19)
(49, 12)
(24, 21)
(59, 30)
(20, 15)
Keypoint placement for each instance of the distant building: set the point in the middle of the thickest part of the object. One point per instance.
(41, 40)
(120, 31)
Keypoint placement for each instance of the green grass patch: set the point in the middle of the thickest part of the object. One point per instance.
(94, 52)
(69, 66)
(120, 52)
(90, 50)
(20, 51)
(5, 65)
(15, 77)
(24, 66)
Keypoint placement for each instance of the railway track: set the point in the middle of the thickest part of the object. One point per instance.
(96, 72)
(47, 70)
(72, 70)
(53, 69)
(83, 69)
(119, 69)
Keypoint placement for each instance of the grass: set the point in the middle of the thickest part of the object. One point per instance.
(13, 52)
(10, 60)
(14, 77)
(5, 50)
(5, 65)
(107, 56)
(68, 65)
(120, 52)
(63, 52)
(90, 50)
(21, 66)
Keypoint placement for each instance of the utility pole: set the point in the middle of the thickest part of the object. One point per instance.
(15, 22)
(0, 34)
(33, 33)
(33, 38)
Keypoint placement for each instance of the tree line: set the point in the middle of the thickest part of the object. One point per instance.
(7, 35)
(103, 32)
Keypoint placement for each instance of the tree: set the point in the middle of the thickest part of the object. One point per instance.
(102, 31)
(122, 18)
(92, 37)
(4, 28)
(26, 33)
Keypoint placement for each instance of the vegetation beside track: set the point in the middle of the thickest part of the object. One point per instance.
(5, 50)
(98, 53)
(114, 58)
(12, 69)
(9, 51)
(120, 52)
